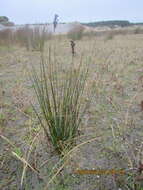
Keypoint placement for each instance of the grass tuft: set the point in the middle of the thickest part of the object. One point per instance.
(60, 97)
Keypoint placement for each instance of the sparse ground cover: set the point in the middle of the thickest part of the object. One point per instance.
(111, 134)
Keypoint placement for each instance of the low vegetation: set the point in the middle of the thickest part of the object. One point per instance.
(31, 38)
(50, 128)
(76, 33)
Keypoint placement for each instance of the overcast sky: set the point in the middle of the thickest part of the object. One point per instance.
(40, 11)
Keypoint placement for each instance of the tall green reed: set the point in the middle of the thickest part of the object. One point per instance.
(60, 93)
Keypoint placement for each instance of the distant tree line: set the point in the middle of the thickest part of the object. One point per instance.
(111, 23)
(5, 21)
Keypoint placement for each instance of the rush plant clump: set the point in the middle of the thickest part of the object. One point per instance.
(60, 98)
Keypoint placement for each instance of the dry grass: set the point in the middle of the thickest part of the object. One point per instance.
(6, 37)
(76, 33)
(115, 115)
(32, 38)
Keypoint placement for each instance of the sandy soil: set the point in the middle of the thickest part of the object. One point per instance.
(113, 121)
